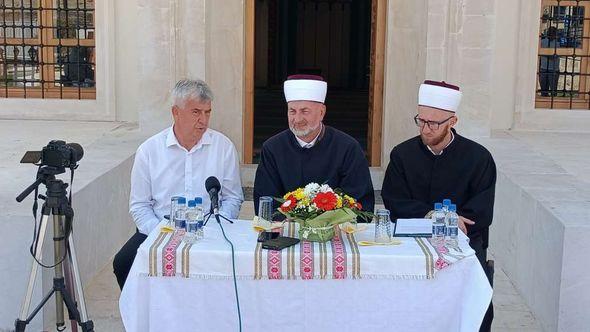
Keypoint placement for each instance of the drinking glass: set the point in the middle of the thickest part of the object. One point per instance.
(382, 226)
(265, 208)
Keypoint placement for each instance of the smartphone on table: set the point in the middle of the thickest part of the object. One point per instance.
(279, 243)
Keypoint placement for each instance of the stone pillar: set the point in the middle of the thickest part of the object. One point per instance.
(460, 51)
(225, 67)
(405, 65)
(171, 46)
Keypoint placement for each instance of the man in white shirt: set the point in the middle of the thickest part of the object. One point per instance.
(176, 162)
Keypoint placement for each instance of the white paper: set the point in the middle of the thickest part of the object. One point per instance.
(413, 226)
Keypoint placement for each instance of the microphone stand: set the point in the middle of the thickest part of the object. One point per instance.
(215, 213)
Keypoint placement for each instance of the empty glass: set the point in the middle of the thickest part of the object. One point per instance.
(265, 208)
(382, 226)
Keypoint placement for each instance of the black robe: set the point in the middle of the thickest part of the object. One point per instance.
(336, 159)
(465, 173)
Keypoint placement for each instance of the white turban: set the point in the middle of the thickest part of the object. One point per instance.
(439, 95)
(305, 87)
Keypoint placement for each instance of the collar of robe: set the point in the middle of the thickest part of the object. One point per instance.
(317, 142)
(448, 150)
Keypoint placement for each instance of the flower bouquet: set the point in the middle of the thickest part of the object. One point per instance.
(318, 209)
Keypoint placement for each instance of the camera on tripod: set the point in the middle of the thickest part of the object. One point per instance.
(58, 154)
(67, 286)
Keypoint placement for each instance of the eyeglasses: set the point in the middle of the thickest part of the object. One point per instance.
(432, 125)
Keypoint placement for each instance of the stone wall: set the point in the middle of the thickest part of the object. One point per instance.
(193, 39)
(540, 232)
(460, 51)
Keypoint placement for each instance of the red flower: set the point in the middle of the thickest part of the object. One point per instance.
(289, 204)
(326, 201)
(358, 205)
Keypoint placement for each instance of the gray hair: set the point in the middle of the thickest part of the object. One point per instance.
(191, 89)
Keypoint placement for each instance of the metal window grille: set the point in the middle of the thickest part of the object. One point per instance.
(563, 66)
(47, 49)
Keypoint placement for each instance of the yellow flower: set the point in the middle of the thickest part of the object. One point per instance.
(351, 201)
(338, 202)
(304, 202)
(299, 194)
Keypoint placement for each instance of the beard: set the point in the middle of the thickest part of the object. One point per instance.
(434, 140)
(303, 132)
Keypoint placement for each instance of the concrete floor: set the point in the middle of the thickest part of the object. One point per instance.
(511, 313)
(571, 151)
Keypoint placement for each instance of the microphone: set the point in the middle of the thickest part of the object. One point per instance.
(213, 187)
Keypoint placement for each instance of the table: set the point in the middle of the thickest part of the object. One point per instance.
(454, 299)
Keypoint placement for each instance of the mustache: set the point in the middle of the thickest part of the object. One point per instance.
(303, 132)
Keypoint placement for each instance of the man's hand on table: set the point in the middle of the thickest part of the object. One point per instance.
(463, 222)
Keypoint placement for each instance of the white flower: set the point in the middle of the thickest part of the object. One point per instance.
(325, 188)
(311, 189)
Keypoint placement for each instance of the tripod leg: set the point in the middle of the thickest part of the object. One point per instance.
(58, 248)
(22, 318)
(86, 324)
(69, 291)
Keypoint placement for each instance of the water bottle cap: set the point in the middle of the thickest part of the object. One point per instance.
(181, 200)
(191, 203)
(446, 202)
(453, 207)
(198, 200)
(438, 206)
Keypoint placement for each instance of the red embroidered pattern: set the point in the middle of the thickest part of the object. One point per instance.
(338, 257)
(169, 255)
(306, 260)
(274, 263)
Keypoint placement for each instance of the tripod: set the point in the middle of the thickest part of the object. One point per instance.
(217, 216)
(58, 207)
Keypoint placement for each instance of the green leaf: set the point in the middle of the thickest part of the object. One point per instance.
(330, 218)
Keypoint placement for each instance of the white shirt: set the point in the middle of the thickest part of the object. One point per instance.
(441, 151)
(306, 145)
(163, 168)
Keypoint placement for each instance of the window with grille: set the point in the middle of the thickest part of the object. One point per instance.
(47, 49)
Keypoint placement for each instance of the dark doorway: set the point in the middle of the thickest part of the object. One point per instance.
(331, 38)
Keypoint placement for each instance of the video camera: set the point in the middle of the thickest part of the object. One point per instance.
(57, 154)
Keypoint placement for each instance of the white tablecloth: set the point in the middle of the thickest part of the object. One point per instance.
(455, 300)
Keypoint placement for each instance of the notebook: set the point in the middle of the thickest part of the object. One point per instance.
(413, 228)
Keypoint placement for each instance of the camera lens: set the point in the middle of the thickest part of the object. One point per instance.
(77, 150)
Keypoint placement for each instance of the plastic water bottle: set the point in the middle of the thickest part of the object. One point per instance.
(452, 221)
(191, 223)
(438, 222)
(180, 215)
(200, 217)
(445, 205)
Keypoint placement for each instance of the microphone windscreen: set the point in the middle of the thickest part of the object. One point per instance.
(212, 183)
(78, 150)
